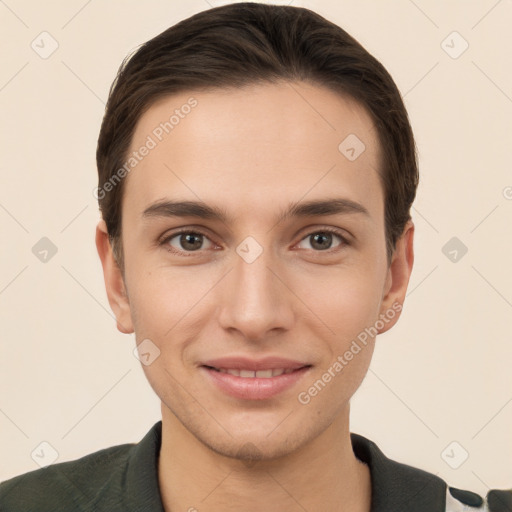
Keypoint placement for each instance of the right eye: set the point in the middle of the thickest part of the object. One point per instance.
(184, 241)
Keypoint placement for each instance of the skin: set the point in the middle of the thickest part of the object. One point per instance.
(253, 151)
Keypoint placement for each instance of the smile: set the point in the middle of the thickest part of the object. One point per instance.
(260, 374)
(254, 384)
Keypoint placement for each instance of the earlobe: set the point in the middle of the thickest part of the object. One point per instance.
(397, 278)
(114, 282)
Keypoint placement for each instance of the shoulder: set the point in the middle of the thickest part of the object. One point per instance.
(65, 485)
(398, 486)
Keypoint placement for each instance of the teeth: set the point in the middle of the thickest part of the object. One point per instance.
(264, 374)
(261, 374)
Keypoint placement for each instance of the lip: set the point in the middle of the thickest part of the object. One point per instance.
(244, 363)
(254, 388)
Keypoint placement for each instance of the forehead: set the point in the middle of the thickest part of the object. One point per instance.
(255, 147)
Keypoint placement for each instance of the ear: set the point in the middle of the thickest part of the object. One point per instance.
(397, 278)
(114, 282)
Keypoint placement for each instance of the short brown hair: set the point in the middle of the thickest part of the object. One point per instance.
(245, 43)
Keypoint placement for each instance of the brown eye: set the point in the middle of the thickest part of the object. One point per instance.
(323, 240)
(188, 241)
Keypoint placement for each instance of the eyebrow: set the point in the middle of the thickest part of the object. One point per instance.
(167, 208)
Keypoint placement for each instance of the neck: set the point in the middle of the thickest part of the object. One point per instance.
(324, 474)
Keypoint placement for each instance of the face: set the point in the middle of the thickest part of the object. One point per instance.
(282, 254)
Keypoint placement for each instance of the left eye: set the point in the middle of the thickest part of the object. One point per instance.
(322, 240)
(188, 241)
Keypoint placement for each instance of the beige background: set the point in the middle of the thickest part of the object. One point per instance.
(443, 374)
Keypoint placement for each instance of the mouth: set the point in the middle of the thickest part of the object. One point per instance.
(246, 384)
(259, 374)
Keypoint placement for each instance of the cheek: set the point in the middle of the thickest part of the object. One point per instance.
(346, 299)
(162, 305)
(148, 298)
(164, 300)
(356, 308)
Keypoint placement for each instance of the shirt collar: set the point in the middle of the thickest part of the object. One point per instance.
(395, 486)
(142, 489)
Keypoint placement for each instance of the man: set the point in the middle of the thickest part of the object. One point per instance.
(256, 173)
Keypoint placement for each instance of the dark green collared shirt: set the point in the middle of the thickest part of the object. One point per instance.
(124, 478)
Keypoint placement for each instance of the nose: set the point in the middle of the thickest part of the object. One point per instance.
(255, 299)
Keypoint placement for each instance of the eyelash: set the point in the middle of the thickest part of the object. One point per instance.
(334, 231)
